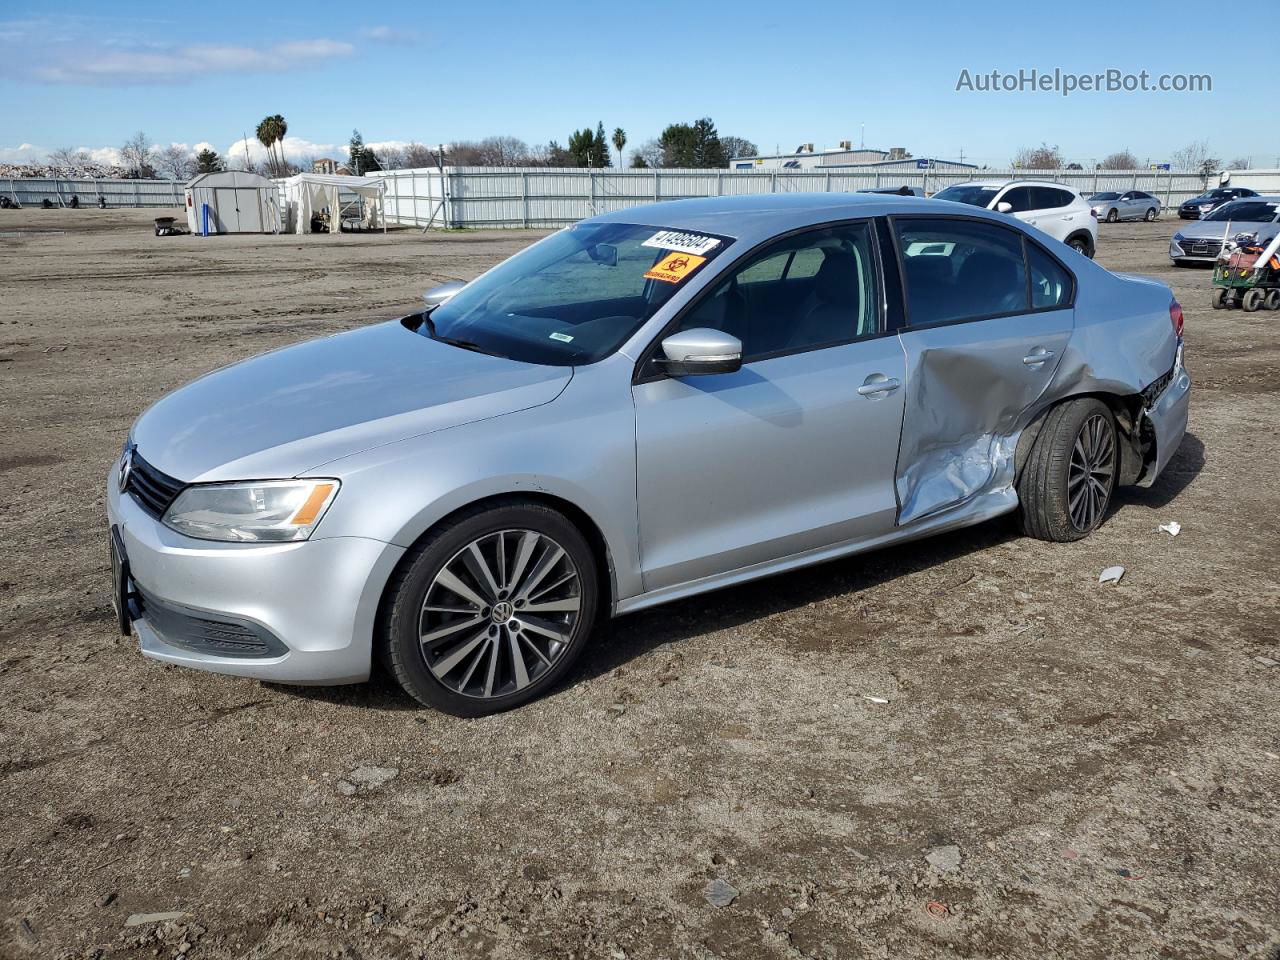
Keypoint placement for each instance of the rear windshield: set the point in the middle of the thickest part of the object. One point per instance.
(1246, 211)
(576, 296)
(966, 193)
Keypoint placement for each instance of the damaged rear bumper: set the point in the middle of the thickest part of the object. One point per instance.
(1167, 416)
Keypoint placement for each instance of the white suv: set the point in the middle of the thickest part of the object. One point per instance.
(1049, 207)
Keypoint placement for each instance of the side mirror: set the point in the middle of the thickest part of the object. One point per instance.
(1004, 206)
(438, 295)
(700, 351)
(603, 253)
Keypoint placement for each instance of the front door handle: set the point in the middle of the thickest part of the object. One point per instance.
(878, 385)
(1037, 356)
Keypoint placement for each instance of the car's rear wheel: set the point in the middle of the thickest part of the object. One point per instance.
(1150, 214)
(1113, 215)
(491, 609)
(1067, 482)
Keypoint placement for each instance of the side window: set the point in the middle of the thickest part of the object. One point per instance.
(1050, 283)
(1020, 198)
(960, 270)
(1049, 198)
(805, 292)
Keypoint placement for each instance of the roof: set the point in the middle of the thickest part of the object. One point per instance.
(231, 178)
(362, 185)
(757, 217)
(1006, 182)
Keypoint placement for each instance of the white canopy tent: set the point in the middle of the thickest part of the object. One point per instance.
(312, 195)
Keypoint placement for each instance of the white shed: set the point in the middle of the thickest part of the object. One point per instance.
(232, 202)
(332, 200)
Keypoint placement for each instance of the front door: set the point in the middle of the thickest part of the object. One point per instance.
(796, 450)
(982, 343)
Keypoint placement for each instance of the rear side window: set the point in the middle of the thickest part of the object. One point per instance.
(960, 270)
(1049, 198)
(1050, 283)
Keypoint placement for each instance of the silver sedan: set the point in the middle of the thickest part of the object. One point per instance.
(1110, 206)
(1202, 240)
(645, 406)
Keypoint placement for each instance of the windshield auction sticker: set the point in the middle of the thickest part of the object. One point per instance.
(694, 243)
(675, 268)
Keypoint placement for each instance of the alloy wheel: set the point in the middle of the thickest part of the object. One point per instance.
(500, 613)
(1090, 473)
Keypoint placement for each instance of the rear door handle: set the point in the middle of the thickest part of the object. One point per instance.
(878, 385)
(1037, 356)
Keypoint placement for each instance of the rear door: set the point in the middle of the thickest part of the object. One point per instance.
(986, 325)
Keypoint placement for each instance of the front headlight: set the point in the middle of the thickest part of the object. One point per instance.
(266, 510)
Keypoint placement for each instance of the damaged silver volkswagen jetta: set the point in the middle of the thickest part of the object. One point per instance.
(643, 406)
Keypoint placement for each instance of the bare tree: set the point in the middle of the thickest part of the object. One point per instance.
(1120, 160)
(738, 147)
(391, 158)
(1193, 157)
(1239, 163)
(417, 156)
(651, 153)
(1043, 157)
(135, 156)
(175, 163)
(69, 159)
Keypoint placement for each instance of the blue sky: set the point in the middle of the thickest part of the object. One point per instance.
(776, 73)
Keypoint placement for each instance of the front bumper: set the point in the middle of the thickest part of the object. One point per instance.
(1183, 251)
(312, 604)
(1168, 418)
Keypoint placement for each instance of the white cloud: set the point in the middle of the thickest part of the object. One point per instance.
(23, 153)
(384, 34)
(174, 64)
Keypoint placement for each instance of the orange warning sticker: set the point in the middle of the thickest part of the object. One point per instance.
(675, 267)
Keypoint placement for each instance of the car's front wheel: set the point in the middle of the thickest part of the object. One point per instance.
(1113, 215)
(1065, 486)
(490, 609)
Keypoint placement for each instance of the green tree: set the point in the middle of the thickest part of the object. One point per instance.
(361, 158)
(270, 134)
(678, 143)
(589, 148)
(619, 141)
(208, 161)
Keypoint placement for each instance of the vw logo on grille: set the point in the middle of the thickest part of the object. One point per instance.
(126, 466)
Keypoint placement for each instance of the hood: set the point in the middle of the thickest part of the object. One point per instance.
(286, 412)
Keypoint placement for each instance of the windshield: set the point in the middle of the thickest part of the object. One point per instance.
(1105, 196)
(968, 193)
(1246, 211)
(576, 296)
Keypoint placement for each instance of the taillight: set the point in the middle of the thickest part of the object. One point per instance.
(1175, 317)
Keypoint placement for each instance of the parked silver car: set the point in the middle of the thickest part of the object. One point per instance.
(1201, 241)
(644, 406)
(1111, 206)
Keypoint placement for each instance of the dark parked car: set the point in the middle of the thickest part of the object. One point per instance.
(1210, 200)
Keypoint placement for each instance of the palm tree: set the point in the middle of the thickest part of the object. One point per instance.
(619, 141)
(271, 133)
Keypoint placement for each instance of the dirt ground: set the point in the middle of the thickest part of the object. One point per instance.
(1103, 760)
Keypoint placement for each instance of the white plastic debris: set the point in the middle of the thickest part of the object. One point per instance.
(875, 699)
(1172, 528)
(1111, 575)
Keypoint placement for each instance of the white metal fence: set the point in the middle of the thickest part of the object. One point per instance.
(34, 191)
(553, 197)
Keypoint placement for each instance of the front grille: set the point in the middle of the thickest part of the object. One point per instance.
(153, 489)
(1202, 248)
(201, 632)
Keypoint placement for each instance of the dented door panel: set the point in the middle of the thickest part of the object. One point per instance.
(971, 387)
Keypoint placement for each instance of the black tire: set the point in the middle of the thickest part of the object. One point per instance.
(1252, 299)
(401, 649)
(1150, 214)
(1113, 215)
(1081, 244)
(1046, 510)
(1219, 298)
(1273, 299)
